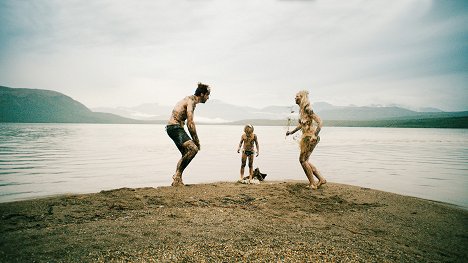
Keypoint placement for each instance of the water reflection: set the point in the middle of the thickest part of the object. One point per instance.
(45, 159)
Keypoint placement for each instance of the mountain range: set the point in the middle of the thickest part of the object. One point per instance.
(34, 105)
(219, 112)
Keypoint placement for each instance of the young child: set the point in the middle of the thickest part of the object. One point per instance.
(248, 139)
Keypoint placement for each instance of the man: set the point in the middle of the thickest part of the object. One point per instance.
(187, 146)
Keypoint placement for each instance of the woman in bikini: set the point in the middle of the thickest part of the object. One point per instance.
(310, 124)
(248, 139)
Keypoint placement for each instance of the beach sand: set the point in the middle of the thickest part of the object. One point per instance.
(232, 222)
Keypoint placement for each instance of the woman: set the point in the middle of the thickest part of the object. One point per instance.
(310, 125)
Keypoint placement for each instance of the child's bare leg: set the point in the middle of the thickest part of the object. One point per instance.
(250, 167)
(243, 162)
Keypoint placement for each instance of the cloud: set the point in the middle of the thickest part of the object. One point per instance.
(110, 53)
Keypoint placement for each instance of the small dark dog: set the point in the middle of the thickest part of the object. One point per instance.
(257, 175)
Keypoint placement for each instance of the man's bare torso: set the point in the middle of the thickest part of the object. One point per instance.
(179, 113)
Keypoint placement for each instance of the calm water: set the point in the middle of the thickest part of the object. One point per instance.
(45, 159)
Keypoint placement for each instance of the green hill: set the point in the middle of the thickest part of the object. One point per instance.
(45, 106)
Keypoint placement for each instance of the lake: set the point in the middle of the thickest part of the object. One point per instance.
(39, 160)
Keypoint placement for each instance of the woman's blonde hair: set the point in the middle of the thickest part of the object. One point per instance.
(304, 103)
(248, 127)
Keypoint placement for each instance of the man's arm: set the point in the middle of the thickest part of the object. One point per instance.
(191, 124)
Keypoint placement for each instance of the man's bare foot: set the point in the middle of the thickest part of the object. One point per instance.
(177, 180)
(321, 182)
(312, 186)
(177, 183)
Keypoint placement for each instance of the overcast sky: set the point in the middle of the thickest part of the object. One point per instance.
(412, 53)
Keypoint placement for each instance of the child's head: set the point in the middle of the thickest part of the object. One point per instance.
(248, 129)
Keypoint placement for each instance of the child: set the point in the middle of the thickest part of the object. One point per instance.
(248, 139)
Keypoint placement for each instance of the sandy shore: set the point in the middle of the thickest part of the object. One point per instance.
(232, 222)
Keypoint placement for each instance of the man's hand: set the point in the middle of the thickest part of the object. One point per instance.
(238, 150)
(287, 133)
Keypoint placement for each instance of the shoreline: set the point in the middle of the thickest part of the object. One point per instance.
(224, 221)
(56, 195)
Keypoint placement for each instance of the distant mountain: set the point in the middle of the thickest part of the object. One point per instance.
(147, 112)
(215, 111)
(33, 105)
(364, 113)
(444, 122)
(45, 106)
(429, 109)
(223, 111)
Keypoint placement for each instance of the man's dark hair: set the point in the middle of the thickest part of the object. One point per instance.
(202, 89)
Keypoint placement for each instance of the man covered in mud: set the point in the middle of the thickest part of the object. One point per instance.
(187, 146)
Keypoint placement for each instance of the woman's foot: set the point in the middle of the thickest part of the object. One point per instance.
(321, 182)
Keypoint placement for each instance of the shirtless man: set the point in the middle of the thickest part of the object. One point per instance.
(248, 139)
(187, 146)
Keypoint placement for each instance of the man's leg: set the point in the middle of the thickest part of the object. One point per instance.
(190, 150)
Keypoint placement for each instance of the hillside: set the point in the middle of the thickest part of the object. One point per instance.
(45, 106)
(444, 122)
(218, 112)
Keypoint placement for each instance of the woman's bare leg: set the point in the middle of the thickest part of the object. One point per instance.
(314, 169)
(303, 157)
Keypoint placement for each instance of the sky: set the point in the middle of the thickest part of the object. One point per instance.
(109, 53)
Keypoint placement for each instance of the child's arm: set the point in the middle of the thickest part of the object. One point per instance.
(256, 144)
(240, 144)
